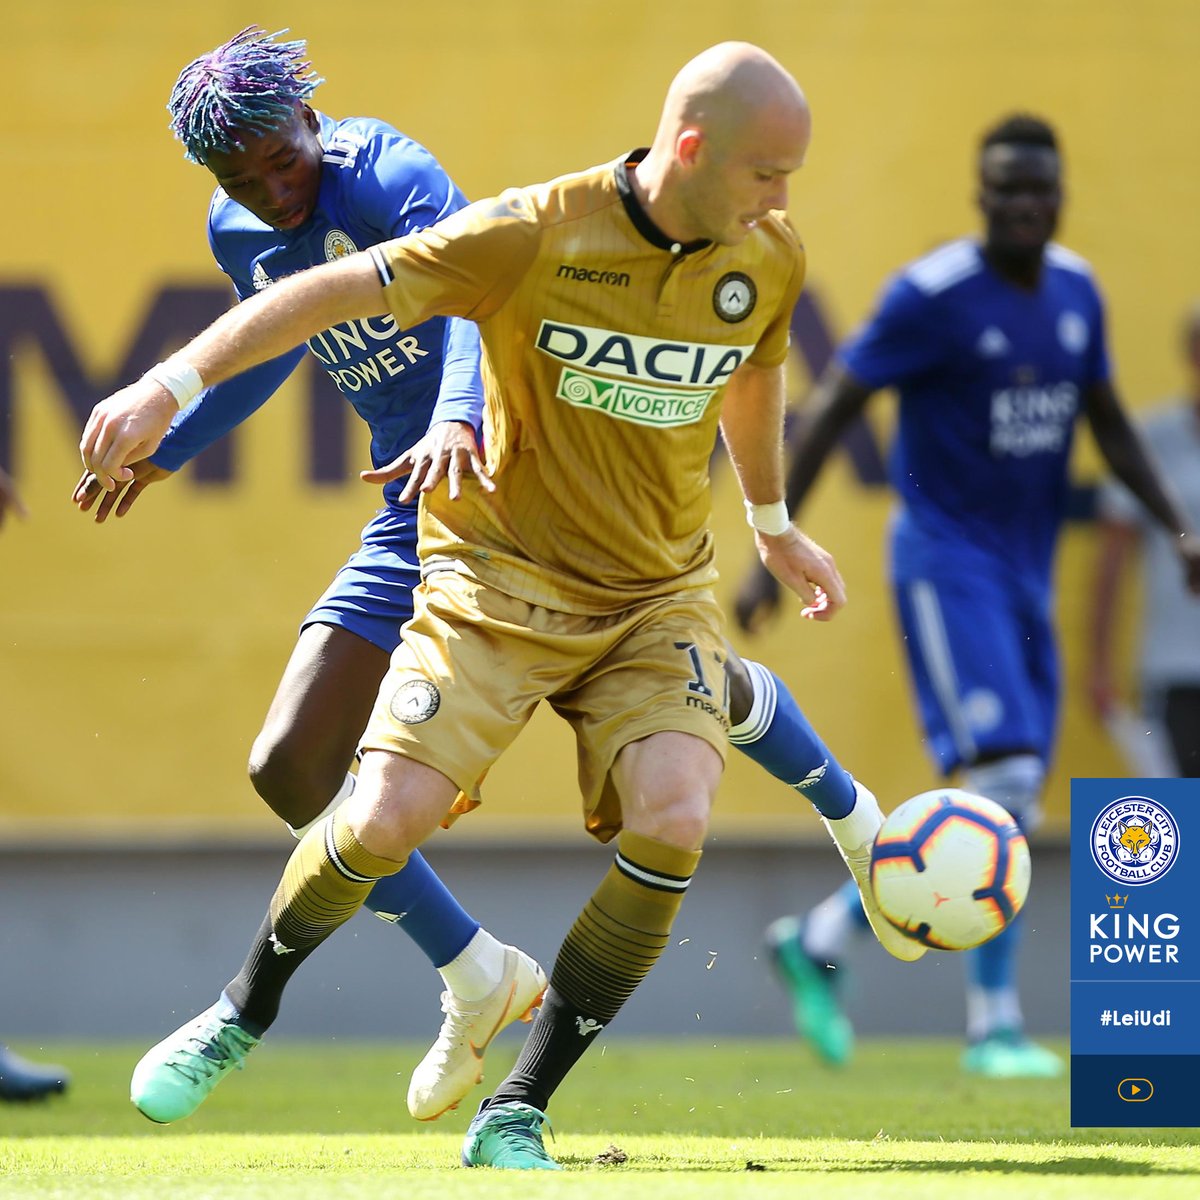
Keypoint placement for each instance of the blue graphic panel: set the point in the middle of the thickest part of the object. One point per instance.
(1135, 952)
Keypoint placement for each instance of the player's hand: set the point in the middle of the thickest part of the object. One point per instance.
(445, 452)
(1189, 556)
(10, 498)
(88, 490)
(807, 569)
(757, 599)
(126, 427)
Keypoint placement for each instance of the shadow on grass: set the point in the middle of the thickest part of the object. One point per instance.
(1060, 1167)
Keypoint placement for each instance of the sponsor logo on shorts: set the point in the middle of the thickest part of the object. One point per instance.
(1135, 840)
(713, 710)
(734, 296)
(415, 701)
(591, 275)
(338, 245)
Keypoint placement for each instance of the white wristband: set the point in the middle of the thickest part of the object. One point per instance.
(771, 519)
(179, 377)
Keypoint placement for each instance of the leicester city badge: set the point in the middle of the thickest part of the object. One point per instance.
(338, 245)
(734, 296)
(415, 701)
(1135, 840)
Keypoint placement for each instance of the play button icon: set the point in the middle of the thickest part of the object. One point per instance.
(1135, 1091)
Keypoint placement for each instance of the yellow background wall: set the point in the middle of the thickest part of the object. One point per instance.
(136, 660)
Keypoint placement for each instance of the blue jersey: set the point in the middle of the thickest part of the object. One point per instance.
(990, 378)
(376, 184)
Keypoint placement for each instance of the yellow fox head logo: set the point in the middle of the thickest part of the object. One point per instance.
(1135, 838)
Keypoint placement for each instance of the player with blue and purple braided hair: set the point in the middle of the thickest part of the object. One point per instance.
(298, 188)
(249, 84)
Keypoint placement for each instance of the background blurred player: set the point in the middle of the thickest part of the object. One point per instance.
(299, 188)
(995, 349)
(19, 1078)
(1169, 637)
(584, 578)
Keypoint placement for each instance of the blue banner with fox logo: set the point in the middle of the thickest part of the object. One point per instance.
(1135, 952)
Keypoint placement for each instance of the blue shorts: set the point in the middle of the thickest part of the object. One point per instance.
(981, 651)
(371, 596)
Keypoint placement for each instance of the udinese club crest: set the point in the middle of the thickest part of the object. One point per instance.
(415, 702)
(734, 297)
(1135, 840)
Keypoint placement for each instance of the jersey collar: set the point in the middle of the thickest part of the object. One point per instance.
(638, 215)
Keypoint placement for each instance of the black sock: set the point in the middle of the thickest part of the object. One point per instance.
(257, 989)
(557, 1040)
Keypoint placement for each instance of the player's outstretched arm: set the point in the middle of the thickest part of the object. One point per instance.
(835, 403)
(130, 425)
(1125, 452)
(451, 445)
(752, 423)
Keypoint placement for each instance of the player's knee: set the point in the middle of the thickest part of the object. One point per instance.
(291, 781)
(679, 820)
(1015, 782)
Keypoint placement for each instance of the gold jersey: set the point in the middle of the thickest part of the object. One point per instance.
(606, 348)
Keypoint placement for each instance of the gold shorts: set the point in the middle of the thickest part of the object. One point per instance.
(474, 663)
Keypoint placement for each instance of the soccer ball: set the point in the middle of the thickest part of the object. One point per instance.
(950, 869)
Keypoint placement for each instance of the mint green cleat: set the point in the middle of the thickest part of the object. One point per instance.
(175, 1077)
(508, 1136)
(1009, 1054)
(812, 987)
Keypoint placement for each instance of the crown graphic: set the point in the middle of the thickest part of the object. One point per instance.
(1116, 901)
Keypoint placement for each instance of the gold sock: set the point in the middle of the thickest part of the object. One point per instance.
(324, 884)
(625, 926)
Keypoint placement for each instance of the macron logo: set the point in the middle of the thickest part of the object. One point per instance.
(589, 275)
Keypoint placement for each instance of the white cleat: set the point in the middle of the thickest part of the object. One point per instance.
(454, 1064)
(854, 836)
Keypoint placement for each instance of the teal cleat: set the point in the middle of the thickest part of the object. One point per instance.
(508, 1136)
(812, 986)
(175, 1077)
(1009, 1054)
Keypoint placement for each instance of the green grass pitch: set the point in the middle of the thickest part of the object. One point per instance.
(638, 1120)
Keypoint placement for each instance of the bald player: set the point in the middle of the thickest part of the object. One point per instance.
(623, 310)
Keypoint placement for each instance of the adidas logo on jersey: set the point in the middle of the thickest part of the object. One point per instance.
(992, 343)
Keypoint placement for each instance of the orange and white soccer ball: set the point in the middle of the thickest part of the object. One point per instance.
(950, 869)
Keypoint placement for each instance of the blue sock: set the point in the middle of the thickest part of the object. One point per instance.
(421, 904)
(778, 737)
(994, 964)
(850, 894)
